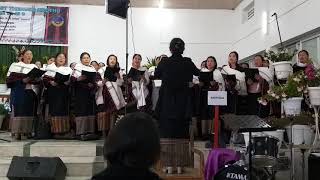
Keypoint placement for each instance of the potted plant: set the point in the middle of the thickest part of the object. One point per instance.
(312, 80)
(290, 94)
(282, 62)
(3, 75)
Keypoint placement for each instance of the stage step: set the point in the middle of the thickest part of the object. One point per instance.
(63, 149)
(14, 149)
(77, 166)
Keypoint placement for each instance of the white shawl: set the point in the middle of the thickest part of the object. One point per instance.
(140, 90)
(114, 90)
(21, 67)
(77, 72)
(217, 76)
(241, 86)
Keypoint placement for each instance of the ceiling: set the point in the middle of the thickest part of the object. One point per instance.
(176, 4)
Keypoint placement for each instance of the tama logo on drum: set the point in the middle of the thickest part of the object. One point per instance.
(236, 176)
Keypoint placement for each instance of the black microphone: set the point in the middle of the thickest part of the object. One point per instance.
(8, 12)
(274, 14)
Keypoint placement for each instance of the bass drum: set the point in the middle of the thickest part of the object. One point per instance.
(236, 172)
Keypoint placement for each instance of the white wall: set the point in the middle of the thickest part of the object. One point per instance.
(295, 18)
(206, 32)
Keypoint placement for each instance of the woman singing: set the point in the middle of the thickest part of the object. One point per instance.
(235, 84)
(211, 80)
(258, 86)
(175, 106)
(138, 76)
(109, 97)
(23, 96)
(57, 83)
(84, 84)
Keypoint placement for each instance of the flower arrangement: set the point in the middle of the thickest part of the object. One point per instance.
(312, 76)
(280, 56)
(295, 87)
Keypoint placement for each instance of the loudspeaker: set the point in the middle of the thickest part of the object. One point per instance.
(117, 8)
(313, 165)
(37, 168)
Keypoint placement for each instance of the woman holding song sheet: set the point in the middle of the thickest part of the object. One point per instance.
(210, 80)
(84, 83)
(109, 97)
(235, 84)
(138, 78)
(57, 80)
(22, 78)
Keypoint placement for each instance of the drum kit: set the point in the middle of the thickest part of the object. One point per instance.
(260, 159)
(261, 164)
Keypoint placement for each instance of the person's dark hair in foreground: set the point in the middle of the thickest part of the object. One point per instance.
(131, 148)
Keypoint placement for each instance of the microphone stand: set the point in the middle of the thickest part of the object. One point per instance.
(276, 15)
(127, 57)
(5, 26)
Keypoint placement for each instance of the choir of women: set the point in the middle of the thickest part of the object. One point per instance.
(84, 99)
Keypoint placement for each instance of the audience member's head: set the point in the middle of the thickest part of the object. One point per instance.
(134, 142)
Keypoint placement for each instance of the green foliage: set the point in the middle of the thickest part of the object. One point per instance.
(3, 110)
(283, 55)
(3, 73)
(151, 62)
(295, 87)
(305, 118)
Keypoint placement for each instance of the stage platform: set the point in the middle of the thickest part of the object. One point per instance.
(84, 159)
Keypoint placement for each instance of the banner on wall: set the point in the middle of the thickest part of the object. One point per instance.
(34, 24)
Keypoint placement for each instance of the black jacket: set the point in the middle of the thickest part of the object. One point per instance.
(119, 172)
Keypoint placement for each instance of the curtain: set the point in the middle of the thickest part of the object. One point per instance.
(40, 53)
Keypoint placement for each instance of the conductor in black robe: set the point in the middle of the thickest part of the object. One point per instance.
(174, 107)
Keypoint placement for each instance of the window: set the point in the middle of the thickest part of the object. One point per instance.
(248, 12)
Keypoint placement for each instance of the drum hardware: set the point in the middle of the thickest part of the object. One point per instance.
(250, 130)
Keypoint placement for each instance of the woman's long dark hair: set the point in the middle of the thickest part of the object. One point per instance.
(108, 59)
(214, 60)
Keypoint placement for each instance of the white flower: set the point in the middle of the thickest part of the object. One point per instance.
(277, 97)
(305, 91)
(296, 79)
(273, 95)
(299, 89)
(269, 91)
(284, 95)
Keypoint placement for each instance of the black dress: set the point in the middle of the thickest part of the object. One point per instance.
(174, 107)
